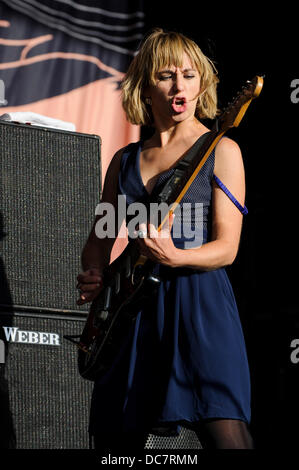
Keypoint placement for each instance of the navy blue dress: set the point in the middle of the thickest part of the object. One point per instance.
(185, 359)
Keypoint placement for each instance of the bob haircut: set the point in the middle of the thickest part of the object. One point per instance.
(160, 49)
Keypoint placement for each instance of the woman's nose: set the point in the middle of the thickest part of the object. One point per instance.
(179, 82)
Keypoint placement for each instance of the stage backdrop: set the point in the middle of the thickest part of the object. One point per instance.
(65, 59)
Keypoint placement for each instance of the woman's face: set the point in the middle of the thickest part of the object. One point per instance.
(175, 92)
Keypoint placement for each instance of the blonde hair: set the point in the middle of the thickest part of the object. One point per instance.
(160, 49)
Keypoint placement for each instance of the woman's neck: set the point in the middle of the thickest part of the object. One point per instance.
(180, 131)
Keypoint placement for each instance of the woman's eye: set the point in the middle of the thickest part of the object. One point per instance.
(170, 77)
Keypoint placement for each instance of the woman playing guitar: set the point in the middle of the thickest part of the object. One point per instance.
(185, 361)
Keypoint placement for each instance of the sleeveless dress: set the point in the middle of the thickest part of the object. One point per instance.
(185, 359)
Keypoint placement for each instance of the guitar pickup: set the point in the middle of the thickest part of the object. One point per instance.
(117, 283)
(107, 298)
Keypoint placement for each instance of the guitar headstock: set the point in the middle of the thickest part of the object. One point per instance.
(234, 112)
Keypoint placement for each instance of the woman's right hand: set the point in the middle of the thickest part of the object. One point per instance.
(90, 283)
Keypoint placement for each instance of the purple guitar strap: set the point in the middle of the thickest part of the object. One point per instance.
(242, 209)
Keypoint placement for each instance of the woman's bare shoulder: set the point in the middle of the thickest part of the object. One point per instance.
(228, 156)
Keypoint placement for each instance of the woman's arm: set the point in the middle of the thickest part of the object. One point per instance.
(96, 252)
(226, 219)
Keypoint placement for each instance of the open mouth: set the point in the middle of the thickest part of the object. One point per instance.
(179, 104)
(180, 101)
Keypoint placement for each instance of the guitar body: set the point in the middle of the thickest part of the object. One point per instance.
(129, 281)
(127, 286)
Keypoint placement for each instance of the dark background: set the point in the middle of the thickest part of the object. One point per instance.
(244, 41)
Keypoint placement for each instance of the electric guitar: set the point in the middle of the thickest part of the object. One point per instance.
(128, 282)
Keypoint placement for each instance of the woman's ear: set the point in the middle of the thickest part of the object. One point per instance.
(146, 96)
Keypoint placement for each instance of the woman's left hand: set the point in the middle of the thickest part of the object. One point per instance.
(158, 245)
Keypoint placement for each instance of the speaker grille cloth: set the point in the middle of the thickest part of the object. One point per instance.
(50, 187)
(186, 439)
(49, 401)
